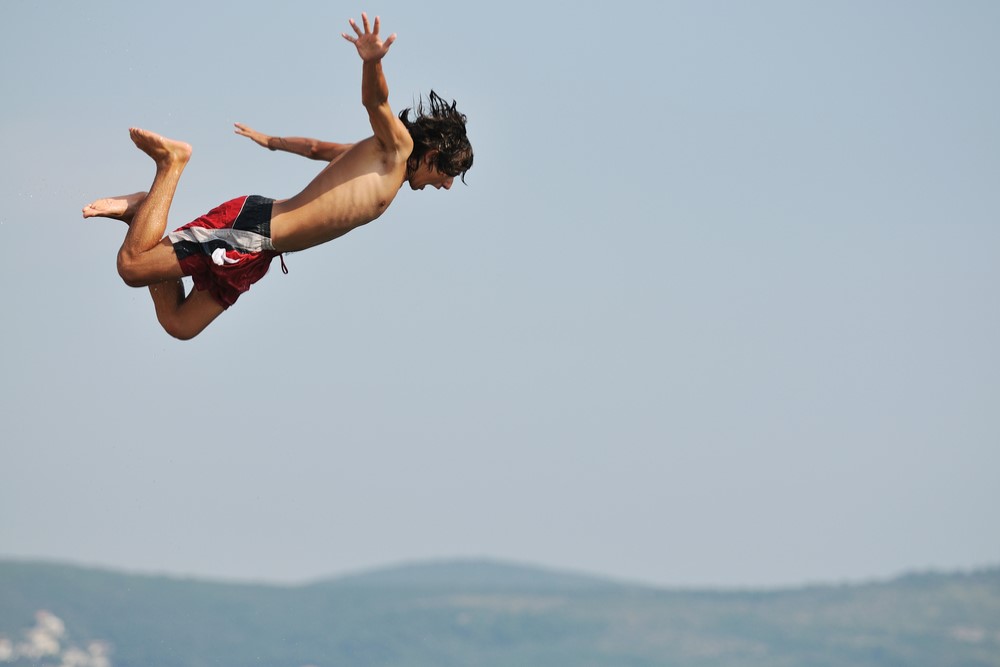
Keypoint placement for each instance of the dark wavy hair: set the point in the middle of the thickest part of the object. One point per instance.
(439, 126)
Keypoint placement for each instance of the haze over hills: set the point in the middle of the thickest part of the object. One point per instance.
(486, 613)
(481, 574)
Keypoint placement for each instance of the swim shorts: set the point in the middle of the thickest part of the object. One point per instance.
(228, 249)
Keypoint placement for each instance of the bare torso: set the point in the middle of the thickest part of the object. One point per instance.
(350, 191)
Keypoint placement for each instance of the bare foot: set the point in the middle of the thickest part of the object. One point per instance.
(118, 208)
(163, 151)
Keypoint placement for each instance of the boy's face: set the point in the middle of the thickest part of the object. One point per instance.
(426, 175)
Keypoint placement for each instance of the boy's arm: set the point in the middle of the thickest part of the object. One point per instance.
(389, 131)
(310, 148)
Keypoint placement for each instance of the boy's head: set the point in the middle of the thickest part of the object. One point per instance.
(439, 138)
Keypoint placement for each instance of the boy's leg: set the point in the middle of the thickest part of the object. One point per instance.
(181, 316)
(144, 258)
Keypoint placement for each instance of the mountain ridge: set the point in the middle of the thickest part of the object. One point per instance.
(495, 572)
(491, 615)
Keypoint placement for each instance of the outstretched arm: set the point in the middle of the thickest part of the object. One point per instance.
(389, 131)
(310, 148)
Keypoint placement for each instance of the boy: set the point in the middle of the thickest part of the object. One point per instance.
(231, 247)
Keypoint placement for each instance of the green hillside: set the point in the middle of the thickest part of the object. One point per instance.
(490, 615)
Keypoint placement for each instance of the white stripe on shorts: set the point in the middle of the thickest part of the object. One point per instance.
(237, 239)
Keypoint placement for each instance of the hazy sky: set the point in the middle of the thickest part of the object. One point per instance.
(719, 305)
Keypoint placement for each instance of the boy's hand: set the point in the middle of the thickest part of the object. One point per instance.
(252, 134)
(370, 47)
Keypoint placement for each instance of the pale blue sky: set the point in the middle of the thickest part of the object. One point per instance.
(719, 305)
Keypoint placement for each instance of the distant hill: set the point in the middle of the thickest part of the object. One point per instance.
(487, 614)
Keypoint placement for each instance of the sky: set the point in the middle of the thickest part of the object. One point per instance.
(718, 306)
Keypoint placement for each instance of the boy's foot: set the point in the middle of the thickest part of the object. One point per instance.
(118, 208)
(164, 151)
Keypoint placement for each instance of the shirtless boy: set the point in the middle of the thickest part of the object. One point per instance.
(231, 247)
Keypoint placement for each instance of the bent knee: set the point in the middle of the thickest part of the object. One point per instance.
(139, 269)
(130, 270)
(185, 323)
(180, 330)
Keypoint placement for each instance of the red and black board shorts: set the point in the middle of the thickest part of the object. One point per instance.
(228, 249)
